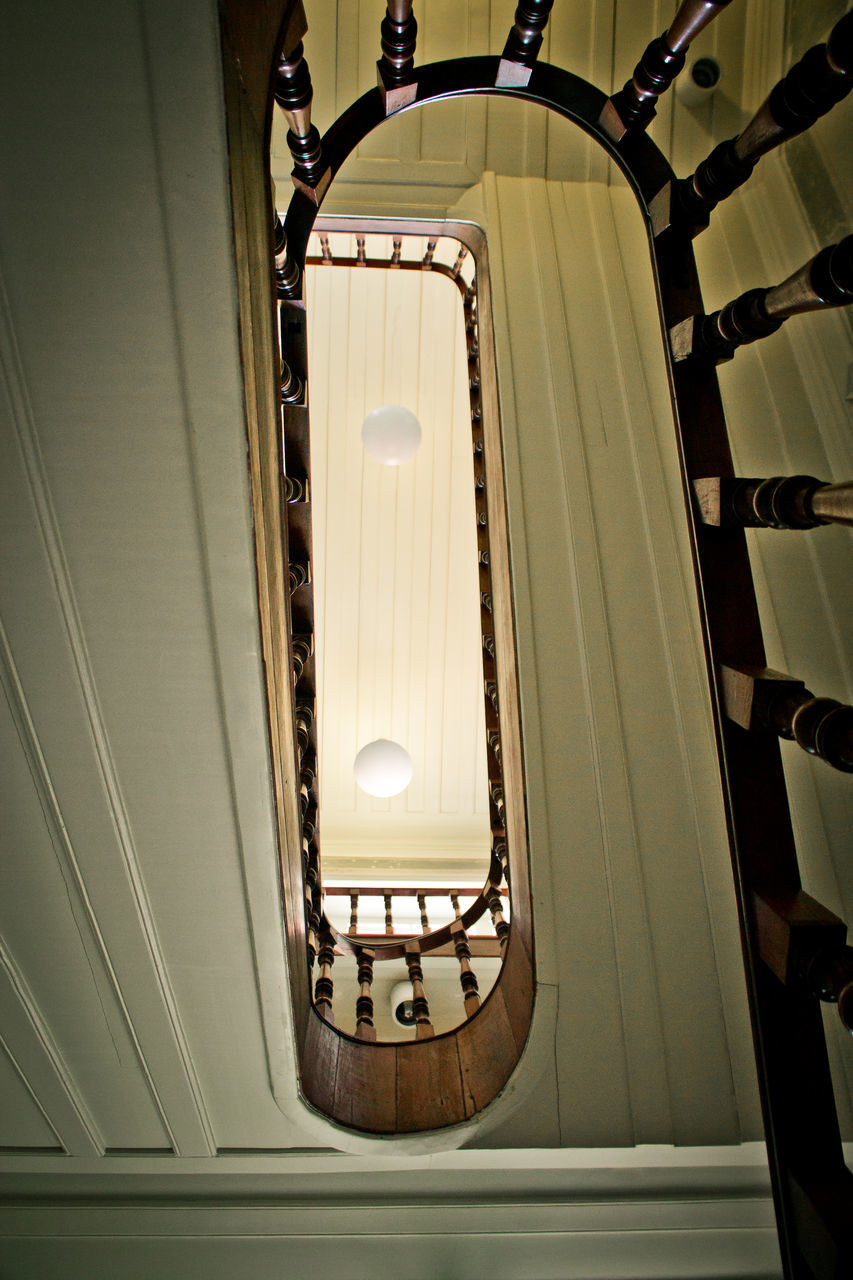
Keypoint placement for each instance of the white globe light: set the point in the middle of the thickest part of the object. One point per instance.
(383, 768)
(391, 434)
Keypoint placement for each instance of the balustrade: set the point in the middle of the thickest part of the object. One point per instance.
(825, 281)
(813, 86)
(395, 69)
(293, 93)
(770, 700)
(523, 43)
(634, 107)
(780, 502)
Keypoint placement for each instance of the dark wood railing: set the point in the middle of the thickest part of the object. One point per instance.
(795, 952)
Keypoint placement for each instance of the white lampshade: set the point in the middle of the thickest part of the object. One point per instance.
(391, 434)
(383, 768)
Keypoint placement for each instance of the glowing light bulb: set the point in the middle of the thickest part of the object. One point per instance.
(391, 434)
(383, 768)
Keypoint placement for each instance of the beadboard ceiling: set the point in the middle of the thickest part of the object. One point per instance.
(395, 570)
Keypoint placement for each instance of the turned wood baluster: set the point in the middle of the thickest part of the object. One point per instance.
(420, 1005)
(496, 791)
(822, 77)
(430, 252)
(804, 943)
(324, 987)
(494, 741)
(389, 919)
(353, 913)
(298, 574)
(460, 258)
(501, 852)
(287, 274)
(454, 902)
(396, 68)
(304, 719)
(306, 783)
(364, 1029)
(825, 281)
(360, 255)
(634, 107)
(492, 694)
(830, 977)
(423, 910)
(489, 642)
(523, 43)
(397, 249)
(760, 698)
(780, 502)
(291, 385)
(325, 250)
(495, 910)
(293, 93)
(301, 647)
(294, 490)
(467, 977)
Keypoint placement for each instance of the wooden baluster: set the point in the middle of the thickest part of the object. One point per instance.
(306, 784)
(315, 914)
(287, 273)
(396, 251)
(293, 93)
(780, 502)
(304, 719)
(389, 919)
(420, 1005)
(294, 490)
(501, 852)
(291, 385)
(298, 574)
(492, 694)
(360, 255)
(830, 977)
(324, 987)
(803, 942)
(764, 699)
(496, 912)
(825, 281)
(489, 645)
(353, 913)
(301, 647)
(523, 43)
(483, 556)
(634, 107)
(364, 1029)
(467, 977)
(454, 902)
(496, 792)
(460, 258)
(395, 70)
(486, 600)
(325, 250)
(494, 740)
(822, 77)
(430, 253)
(423, 910)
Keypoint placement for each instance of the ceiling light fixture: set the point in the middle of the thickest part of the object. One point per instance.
(391, 434)
(383, 768)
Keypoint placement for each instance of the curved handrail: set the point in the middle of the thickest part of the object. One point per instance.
(427, 942)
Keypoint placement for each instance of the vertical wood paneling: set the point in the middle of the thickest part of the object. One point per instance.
(610, 651)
